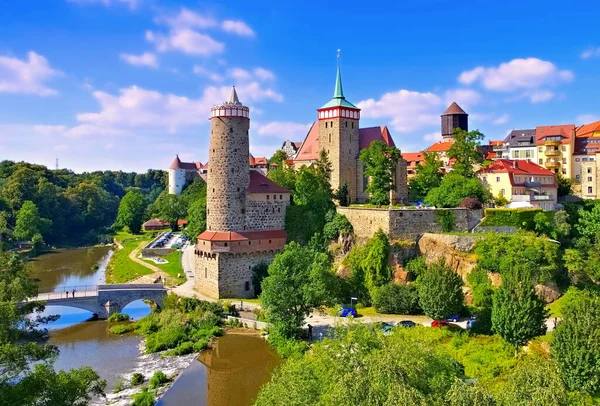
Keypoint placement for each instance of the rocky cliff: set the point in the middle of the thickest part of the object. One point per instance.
(456, 250)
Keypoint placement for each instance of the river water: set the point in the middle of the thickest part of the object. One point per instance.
(231, 373)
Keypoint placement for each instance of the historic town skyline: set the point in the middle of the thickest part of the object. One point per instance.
(126, 84)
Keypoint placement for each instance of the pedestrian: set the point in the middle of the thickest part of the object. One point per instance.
(67, 293)
(73, 292)
(310, 333)
(242, 305)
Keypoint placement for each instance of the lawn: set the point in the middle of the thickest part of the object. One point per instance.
(120, 268)
(172, 268)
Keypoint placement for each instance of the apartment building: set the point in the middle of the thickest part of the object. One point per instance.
(555, 148)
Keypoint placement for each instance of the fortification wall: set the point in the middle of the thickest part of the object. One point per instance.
(263, 214)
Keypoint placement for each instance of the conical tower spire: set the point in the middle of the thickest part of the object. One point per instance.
(233, 98)
(338, 92)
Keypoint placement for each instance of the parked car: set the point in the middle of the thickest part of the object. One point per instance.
(407, 323)
(387, 327)
(454, 318)
(471, 321)
(440, 323)
(347, 311)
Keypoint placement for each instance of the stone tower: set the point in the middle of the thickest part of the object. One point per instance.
(454, 117)
(339, 136)
(228, 173)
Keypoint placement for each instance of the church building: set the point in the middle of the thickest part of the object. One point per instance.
(337, 131)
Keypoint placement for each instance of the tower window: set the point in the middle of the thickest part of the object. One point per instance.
(205, 273)
(225, 245)
(238, 189)
(213, 150)
(352, 124)
(268, 197)
(232, 170)
(332, 124)
(326, 124)
(280, 197)
(249, 242)
(279, 210)
(274, 197)
(230, 129)
(243, 211)
(213, 190)
(247, 286)
(346, 124)
(329, 137)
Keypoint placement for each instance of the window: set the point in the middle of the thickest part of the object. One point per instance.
(564, 147)
(589, 170)
(589, 189)
(353, 124)
(589, 178)
(205, 273)
(541, 161)
(243, 211)
(564, 171)
(268, 197)
(274, 197)
(325, 124)
(576, 176)
(247, 286)
(329, 137)
(225, 245)
(497, 178)
(584, 159)
(564, 161)
(541, 149)
(528, 154)
(577, 159)
(280, 197)
(346, 124)
(230, 129)
(591, 158)
(503, 192)
(515, 154)
(332, 124)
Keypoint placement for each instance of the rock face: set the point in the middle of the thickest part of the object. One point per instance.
(454, 249)
(548, 292)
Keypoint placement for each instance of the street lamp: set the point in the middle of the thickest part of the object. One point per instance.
(351, 299)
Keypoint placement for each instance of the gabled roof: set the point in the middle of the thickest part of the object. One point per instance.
(441, 146)
(566, 131)
(496, 143)
(520, 137)
(259, 183)
(413, 158)
(241, 236)
(454, 108)
(587, 130)
(517, 167)
(310, 147)
(177, 164)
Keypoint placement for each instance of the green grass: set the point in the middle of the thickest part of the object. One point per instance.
(172, 268)
(121, 269)
(555, 308)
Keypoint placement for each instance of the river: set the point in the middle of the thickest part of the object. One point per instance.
(231, 373)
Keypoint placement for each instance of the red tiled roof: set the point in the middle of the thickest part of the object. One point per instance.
(441, 146)
(587, 129)
(309, 150)
(413, 157)
(251, 161)
(261, 161)
(241, 236)
(297, 144)
(496, 143)
(491, 155)
(454, 109)
(519, 167)
(259, 183)
(566, 131)
(181, 222)
(155, 222)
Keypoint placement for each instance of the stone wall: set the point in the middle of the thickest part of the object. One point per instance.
(156, 252)
(262, 214)
(405, 223)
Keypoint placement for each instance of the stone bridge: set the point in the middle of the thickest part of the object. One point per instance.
(104, 300)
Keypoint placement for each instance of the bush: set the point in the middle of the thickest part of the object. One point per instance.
(122, 328)
(118, 317)
(471, 203)
(336, 224)
(158, 379)
(416, 266)
(144, 398)
(397, 299)
(187, 347)
(446, 219)
(440, 291)
(520, 218)
(119, 386)
(137, 379)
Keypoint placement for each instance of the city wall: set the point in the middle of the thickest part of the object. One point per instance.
(406, 223)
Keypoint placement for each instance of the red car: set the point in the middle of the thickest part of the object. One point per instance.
(440, 323)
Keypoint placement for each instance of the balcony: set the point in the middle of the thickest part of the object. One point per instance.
(542, 197)
(532, 197)
(552, 143)
(552, 164)
(552, 152)
(497, 148)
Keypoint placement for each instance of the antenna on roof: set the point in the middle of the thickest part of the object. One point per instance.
(56, 163)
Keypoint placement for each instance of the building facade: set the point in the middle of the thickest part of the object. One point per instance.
(291, 148)
(556, 145)
(522, 182)
(245, 213)
(338, 132)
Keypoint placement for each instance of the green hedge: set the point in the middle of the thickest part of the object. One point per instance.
(520, 218)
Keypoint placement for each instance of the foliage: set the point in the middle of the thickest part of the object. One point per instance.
(337, 224)
(416, 266)
(380, 162)
(285, 176)
(565, 185)
(576, 347)
(440, 291)
(500, 200)
(583, 260)
(446, 219)
(131, 211)
(26, 373)
(471, 203)
(169, 208)
(454, 189)
(533, 257)
(121, 329)
(158, 379)
(29, 223)
(518, 314)
(172, 267)
(589, 222)
(468, 394)
(520, 218)
(341, 195)
(553, 224)
(299, 280)
(119, 385)
(118, 317)
(323, 169)
(278, 158)
(259, 272)
(143, 398)
(394, 298)
(137, 379)
(465, 149)
(428, 175)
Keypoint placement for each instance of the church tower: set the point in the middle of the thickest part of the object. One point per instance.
(454, 117)
(338, 135)
(228, 173)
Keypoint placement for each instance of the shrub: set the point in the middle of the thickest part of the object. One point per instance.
(440, 291)
(520, 218)
(119, 386)
(122, 328)
(158, 379)
(201, 344)
(446, 219)
(144, 398)
(416, 266)
(137, 379)
(397, 299)
(118, 317)
(471, 203)
(187, 347)
(336, 224)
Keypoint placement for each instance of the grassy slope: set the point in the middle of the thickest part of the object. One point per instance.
(173, 267)
(122, 269)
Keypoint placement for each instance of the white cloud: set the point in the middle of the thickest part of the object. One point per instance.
(203, 72)
(407, 110)
(239, 74)
(464, 97)
(60, 148)
(49, 130)
(590, 53)
(186, 41)
(145, 59)
(27, 76)
(529, 73)
(433, 137)
(260, 74)
(586, 118)
(539, 96)
(264, 74)
(503, 119)
(237, 27)
(284, 130)
(187, 18)
(131, 3)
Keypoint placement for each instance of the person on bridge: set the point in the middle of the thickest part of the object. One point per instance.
(73, 292)
(67, 293)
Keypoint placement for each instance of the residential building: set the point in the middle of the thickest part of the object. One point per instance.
(518, 145)
(555, 148)
(585, 160)
(291, 148)
(413, 159)
(522, 182)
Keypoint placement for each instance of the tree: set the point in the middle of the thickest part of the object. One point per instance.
(278, 157)
(454, 189)
(500, 200)
(131, 211)
(428, 176)
(589, 222)
(29, 223)
(380, 161)
(584, 260)
(341, 195)
(284, 176)
(575, 345)
(169, 208)
(4, 229)
(518, 314)
(323, 169)
(564, 185)
(440, 291)
(26, 374)
(395, 298)
(299, 280)
(465, 149)
(196, 217)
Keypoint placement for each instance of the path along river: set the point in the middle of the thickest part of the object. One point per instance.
(229, 374)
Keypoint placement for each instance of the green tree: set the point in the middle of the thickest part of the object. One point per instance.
(465, 149)
(380, 161)
(341, 195)
(278, 157)
(299, 280)
(395, 298)
(4, 228)
(29, 223)
(131, 211)
(469, 394)
(500, 200)
(284, 176)
(564, 185)
(323, 169)
(26, 373)
(428, 176)
(440, 291)
(589, 222)
(169, 208)
(575, 345)
(518, 314)
(196, 217)
(454, 189)
(583, 260)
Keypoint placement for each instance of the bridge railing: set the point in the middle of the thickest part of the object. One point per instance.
(68, 291)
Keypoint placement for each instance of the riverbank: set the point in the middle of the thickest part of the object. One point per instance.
(122, 268)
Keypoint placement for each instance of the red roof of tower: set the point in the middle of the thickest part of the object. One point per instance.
(259, 183)
(454, 108)
(177, 164)
(241, 236)
(441, 146)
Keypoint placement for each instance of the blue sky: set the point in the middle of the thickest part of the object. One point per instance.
(127, 84)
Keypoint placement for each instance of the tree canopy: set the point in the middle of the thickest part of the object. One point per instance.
(131, 211)
(428, 176)
(379, 161)
(465, 150)
(454, 189)
(440, 291)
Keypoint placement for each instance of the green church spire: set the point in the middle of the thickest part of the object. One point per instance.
(338, 93)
